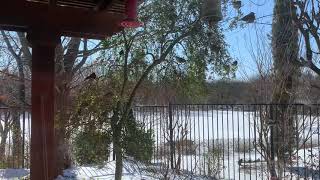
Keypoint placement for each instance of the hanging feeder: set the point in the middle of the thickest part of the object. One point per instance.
(211, 11)
(131, 11)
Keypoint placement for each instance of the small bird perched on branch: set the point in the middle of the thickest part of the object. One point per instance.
(235, 63)
(249, 18)
(236, 4)
(180, 59)
(91, 77)
(121, 53)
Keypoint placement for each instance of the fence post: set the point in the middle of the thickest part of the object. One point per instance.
(172, 150)
(23, 135)
(272, 126)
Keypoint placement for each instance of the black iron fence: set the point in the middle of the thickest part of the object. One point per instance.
(15, 138)
(257, 141)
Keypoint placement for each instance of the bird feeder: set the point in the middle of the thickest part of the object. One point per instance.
(131, 10)
(211, 10)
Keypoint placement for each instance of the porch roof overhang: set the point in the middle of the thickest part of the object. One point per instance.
(95, 19)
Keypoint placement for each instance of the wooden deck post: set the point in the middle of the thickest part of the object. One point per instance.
(43, 44)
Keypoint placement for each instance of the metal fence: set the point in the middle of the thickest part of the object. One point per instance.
(15, 137)
(257, 141)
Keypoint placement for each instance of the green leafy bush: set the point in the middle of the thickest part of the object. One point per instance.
(138, 142)
(91, 146)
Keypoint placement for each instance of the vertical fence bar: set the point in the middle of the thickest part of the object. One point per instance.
(217, 131)
(196, 160)
(311, 138)
(184, 136)
(291, 139)
(191, 142)
(255, 140)
(238, 139)
(318, 133)
(297, 138)
(261, 120)
(271, 124)
(222, 138)
(244, 136)
(203, 141)
(23, 136)
(233, 150)
(249, 143)
(171, 137)
(198, 138)
(285, 123)
(228, 146)
(304, 137)
(208, 141)
(212, 129)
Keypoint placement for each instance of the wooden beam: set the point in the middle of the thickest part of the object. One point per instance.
(102, 4)
(22, 15)
(53, 3)
(42, 151)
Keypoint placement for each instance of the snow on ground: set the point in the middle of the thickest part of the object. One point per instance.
(204, 127)
(13, 173)
(131, 171)
(217, 124)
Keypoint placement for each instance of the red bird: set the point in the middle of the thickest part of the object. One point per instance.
(3, 98)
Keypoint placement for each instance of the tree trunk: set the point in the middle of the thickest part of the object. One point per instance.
(63, 160)
(119, 160)
(16, 126)
(4, 137)
(117, 148)
(16, 139)
(285, 52)
(65, 72)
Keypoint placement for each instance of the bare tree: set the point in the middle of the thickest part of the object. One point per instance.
(71, 55)
(307, 20)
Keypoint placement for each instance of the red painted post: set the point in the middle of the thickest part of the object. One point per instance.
(42, 125)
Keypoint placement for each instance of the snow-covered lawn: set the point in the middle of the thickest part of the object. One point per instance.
(228, 127)
(13, 173)
(131, 171)
(206, 128)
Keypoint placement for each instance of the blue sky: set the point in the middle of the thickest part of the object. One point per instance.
(244, 39)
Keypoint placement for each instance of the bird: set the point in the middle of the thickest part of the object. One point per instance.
(121, 52)
(180, 59)
(92, 76)
(236, 4)
(318, 17)
(240, 162)
(249, 18)
(3, 97)
(235, 63)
